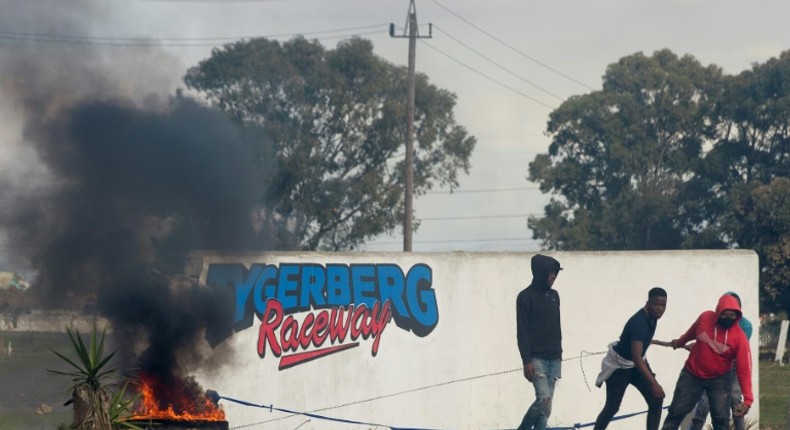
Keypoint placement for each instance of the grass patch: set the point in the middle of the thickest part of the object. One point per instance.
(33, 421)
(30, 350)
(26, 385)
(774, 395)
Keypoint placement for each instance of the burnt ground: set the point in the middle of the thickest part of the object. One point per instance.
(30, 398)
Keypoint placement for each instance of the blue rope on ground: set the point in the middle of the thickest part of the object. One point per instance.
(619, 417)
(311, 415)
(271, 408)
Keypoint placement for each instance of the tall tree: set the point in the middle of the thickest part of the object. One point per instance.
(671, 154)
(759, 219)
(336, 118)
(742, 183)
(620, 157)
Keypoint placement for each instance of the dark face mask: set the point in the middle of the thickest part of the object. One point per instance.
(726, 322)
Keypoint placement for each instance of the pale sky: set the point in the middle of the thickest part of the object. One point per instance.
(574, 38)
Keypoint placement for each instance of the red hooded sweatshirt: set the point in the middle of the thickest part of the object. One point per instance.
(717, 347)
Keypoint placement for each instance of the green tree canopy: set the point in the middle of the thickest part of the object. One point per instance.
(759, 219)
(337, 122)
(619, 157)
(672, 154)
(745, 175)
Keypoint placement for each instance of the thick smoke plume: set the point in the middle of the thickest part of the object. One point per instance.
(112, 180)
(141, 189)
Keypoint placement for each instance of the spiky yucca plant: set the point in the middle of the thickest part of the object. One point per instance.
(91, 399)
(121, 406)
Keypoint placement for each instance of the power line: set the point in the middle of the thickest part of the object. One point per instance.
(487, 77)
(452, 192)
(503, 239)
(207, 1)
(482, 190)
(498, 65)
(454, 218)
(513, 48)
(172, 41)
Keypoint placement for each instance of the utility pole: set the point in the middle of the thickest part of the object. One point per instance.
(413, 35)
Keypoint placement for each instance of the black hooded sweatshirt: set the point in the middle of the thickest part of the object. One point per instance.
(538, 314)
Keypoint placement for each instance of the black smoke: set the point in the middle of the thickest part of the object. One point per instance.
(144, 189)
(115, 180)
(136, 190)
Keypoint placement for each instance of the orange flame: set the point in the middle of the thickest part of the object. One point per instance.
(198, 408)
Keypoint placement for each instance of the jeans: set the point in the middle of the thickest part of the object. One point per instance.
(615, 390)
(703, 408)
(547, 372)
(689, 390)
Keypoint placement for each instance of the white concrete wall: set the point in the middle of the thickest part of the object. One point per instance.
(476, 336)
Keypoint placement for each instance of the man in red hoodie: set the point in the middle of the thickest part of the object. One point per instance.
(719, 342)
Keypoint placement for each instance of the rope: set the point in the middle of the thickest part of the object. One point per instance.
(617, 418)
(384, 396)
(305, 422)
(271, 408)
(582, 354)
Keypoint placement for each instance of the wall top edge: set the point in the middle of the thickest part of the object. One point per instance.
(356, 254)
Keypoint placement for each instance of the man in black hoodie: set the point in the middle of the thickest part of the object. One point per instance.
(540, 338)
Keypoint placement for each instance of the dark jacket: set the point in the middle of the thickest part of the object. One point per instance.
(538, 314)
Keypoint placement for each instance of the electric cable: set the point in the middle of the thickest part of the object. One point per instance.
(487, 76)
(504, 239)
(497, 64)
(314, 413)
(502, 42)
(482, 190)
(454, 218)
(173, 41)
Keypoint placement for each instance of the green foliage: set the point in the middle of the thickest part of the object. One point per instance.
(89, 396)
(746, 174)
(671, 154)
(759, 219)
(121, 407)
(90, 367)
(620, 157)
(335, 121)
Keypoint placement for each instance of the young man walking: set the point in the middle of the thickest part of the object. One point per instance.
(625, 364)
(719, 343)
(540, 338)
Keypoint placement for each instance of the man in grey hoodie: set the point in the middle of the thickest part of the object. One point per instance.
(540, 338)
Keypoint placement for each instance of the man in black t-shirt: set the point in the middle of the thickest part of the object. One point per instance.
(625, 363)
